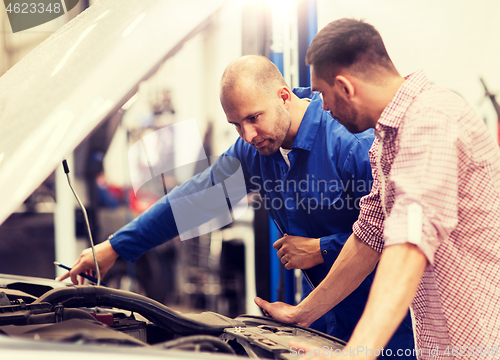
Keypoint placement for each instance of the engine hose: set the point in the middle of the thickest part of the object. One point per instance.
(221, 345)
(161, 315)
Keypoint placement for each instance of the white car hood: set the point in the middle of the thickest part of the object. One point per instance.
(79, 76)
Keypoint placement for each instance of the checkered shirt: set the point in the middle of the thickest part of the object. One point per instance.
(436, 152)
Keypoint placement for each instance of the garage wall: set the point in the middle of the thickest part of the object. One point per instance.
(192, 77)
(453, 41)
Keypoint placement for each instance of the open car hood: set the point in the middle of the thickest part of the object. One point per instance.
(79, 76)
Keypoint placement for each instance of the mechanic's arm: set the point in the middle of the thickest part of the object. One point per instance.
(355, 262)
(157, 224)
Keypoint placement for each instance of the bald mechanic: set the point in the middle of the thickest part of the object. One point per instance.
(432, 219)
(309, 170)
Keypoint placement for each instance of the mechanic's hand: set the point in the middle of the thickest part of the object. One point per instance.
(297, 252)
(278, 310)
(106, 257)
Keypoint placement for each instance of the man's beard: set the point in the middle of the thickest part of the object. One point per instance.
(282, 126)
(347, 115)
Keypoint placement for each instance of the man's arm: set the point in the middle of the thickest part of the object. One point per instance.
(158, 224)
(396, 281)
(355, 262)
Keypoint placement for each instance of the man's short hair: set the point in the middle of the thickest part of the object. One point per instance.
(348, 45)
(256, 70)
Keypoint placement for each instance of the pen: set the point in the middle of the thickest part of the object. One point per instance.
(88, 277)
(303, 270)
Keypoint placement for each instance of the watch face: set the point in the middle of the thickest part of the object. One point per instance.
(26, 14)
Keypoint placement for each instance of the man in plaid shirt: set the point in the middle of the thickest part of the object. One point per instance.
(432, 219)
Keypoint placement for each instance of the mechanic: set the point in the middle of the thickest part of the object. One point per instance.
(295, 154)
(432, 219)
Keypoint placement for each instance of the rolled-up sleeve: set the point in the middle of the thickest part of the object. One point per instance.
(425, 173)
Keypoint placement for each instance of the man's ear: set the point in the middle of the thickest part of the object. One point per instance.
(345, 86)
(285, 96)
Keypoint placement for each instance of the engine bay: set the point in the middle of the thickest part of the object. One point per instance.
(91, 315)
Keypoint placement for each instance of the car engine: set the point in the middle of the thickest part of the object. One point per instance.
(104, 316)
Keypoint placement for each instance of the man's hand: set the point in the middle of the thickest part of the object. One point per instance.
(354, 263)
(278, 310)
(106, 257)
(297, 252)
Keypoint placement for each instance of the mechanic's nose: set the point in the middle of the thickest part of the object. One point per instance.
(248, 133)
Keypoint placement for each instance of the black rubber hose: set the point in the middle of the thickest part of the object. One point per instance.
(198, 340)
(67, 314)
(159, 314)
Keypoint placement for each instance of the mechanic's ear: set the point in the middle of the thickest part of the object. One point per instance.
(346, 86)
(285, 95)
